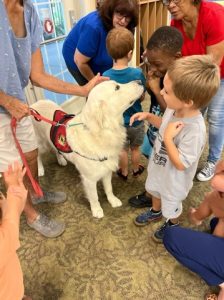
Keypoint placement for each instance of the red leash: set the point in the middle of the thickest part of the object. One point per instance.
(34, 183)
(39, 117)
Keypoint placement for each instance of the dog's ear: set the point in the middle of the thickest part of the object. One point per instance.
(101, 114)
(95, 114)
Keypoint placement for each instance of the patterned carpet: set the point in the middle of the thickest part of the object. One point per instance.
(107, 259)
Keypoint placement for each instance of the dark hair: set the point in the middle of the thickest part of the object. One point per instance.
(167, 39)
(120, 41)
(127, 8)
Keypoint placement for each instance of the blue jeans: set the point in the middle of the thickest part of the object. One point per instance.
(200, 252)
(215, 116)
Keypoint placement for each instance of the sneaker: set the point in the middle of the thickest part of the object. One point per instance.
(147, 217)
(140, 201)
(124, 177)
(159, 233)
(207, 172)
(46, 227)
(50, 197)
(139, 171)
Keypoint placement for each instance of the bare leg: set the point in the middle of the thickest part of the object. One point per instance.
(203, 211)
(123, 164)
(175, 220)
(219, 229)
(113, 200)
(221, 293)
(156, 204)
(29, 210)
(91, 192)
(135, 158)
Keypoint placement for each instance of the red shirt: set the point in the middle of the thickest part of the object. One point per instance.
(210, 30)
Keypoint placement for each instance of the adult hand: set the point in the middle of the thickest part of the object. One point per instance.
(96, 80)
(173, 129)
(17, 109)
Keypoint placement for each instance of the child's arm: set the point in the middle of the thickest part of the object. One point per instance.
(151, 118)
(171, 131)
(16, 192)
(153, 83)
(219, 167)
(197, 215)
(217, 182)
(11, 207)
(219, 229)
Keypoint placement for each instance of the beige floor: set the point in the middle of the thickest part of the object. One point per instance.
(107, 259)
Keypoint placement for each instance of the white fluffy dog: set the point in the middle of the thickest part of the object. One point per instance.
(95, 136)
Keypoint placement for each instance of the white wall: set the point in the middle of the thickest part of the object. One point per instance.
(80, 7)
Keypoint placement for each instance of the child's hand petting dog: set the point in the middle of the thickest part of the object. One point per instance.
(139, 117)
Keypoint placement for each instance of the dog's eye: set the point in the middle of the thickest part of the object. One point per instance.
(117, 87)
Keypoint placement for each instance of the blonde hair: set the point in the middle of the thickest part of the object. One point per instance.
(195, 78)
(119, 42)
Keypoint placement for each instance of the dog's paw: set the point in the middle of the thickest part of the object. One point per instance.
(115, 202)
(97, 212)
(61, 160)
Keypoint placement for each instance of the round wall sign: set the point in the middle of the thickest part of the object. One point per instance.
(48, 26)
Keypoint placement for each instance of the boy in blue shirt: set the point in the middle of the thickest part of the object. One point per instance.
(120, 45)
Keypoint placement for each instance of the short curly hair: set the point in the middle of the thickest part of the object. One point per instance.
(128, 8)
(167, 39)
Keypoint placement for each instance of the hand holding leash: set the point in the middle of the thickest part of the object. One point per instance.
(17, 109)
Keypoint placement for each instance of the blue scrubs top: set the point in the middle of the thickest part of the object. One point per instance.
(89, 37)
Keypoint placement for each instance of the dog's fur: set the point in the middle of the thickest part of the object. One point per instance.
(101, 135)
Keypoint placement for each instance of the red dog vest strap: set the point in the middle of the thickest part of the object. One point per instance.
(58, 131)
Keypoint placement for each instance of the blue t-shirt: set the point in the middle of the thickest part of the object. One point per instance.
(124, 76)
(152, 131)
(89, 37)
(15, 53)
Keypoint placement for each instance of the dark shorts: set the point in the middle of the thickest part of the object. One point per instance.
(135, 136)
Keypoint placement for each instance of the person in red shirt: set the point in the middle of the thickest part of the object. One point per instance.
(202, 26)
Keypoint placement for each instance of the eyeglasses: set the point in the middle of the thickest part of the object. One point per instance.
(167, 2)
(119, 16)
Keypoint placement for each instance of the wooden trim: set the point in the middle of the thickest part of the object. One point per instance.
(152, 15)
